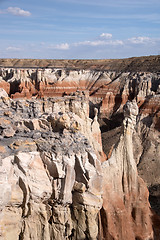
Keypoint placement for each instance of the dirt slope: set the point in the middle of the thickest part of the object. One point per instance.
(146, 63)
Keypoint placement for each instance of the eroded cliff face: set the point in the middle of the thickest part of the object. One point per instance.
(55, 180)
(51, 177)
(108, 90)
(126, 214)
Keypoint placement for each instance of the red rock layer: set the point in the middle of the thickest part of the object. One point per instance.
(126, 211)
(5, 86)
(110, 89)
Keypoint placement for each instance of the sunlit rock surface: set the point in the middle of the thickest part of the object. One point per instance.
(109, 90)
(56, 182)
(51, 176)
(126, 214)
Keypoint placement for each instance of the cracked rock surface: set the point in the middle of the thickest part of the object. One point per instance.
(50, 175)
(55, 181)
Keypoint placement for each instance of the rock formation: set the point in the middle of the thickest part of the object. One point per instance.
(126, 214)
(55, 181)
(109, 90)
(51, 177)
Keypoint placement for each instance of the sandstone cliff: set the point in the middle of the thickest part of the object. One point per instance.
(109, 90)
(51, 177)
(126, 214)
(55, 180)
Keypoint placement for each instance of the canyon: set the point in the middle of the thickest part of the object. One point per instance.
(79, 149)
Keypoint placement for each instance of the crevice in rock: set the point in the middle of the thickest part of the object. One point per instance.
(104, 222)
(14, 87)
(25, 196)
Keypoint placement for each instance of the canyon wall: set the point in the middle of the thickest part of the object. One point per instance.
(50, 169)
(109, 90)
(55, 180)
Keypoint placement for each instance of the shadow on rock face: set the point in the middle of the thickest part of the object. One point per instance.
(154, 198)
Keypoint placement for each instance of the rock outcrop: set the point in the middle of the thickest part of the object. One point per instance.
(51, 176)
(108, 90)
(126, 214)
(55, 180)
